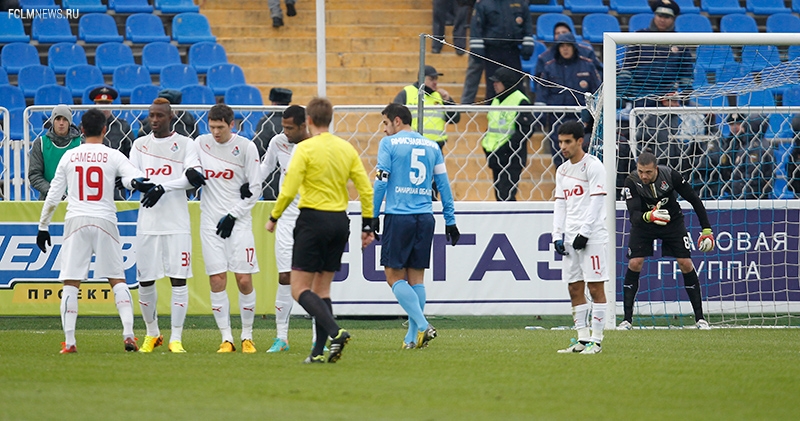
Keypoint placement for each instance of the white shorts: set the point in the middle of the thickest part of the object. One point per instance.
(85, 236)
(236, 253)
(589, 264)
(158, 256)
(284, 241)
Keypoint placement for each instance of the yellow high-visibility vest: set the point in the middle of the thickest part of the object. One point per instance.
(433, 121)
(501, 123)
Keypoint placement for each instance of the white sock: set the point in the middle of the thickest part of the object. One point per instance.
(124, 302)
(180, 304)
(247, 309)
(313, 330)
(69, 313)
(220, 308)
(580, 315)
(598, 321)
(148, 299)
(283, 309)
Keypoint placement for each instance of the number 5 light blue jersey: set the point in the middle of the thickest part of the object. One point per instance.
(408, 164)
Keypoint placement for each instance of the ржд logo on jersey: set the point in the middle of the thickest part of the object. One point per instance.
(576, 191)
(227, 174)
(165, 170)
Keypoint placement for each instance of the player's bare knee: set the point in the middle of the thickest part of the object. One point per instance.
(178, 282)
(284, 278)
(635, 264)
(147, 283)
(685, 265)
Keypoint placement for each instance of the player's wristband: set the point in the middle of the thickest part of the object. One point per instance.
(706, 231)
(273, 219)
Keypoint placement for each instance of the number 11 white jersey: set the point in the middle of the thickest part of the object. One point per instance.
(576, 183)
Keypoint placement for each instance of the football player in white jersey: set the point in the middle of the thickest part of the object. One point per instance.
(163, 231)
(87, 174)
(580, 235)
(226, 233)
(278, 155)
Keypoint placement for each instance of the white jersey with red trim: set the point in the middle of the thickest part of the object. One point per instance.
(576, 183)
(278, 155)
(86, 173)
(164, 162)
(226, 166)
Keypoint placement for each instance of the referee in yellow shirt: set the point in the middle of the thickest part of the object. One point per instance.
(319, 170)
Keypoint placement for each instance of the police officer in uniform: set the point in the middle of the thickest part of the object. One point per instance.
(433, 122)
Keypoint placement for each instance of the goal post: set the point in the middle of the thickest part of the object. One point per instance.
(751, 278)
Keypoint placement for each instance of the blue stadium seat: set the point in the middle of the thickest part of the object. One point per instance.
(30, 78)
(3, 76)
(176, 76)
(203, 55)
(144, 28)
(17, 129)
(53, 95)
(85, 97)
(189, 28)
(546, 22)
(198, 94)
(639, 21)
(738, 22)
(176, 6)
(130, 6)
(766, 7)
(85, 6)
(17, 55)
(11, 97)
(594, 25)
(47, 30)
(545, 6)
(245, 95)
(156, 55)
(111, 55)
(628, 7)
(81, 77)
(756, 99)
(223, 76)
(37, 4)
(585, 6)
(64, 55)
(785, 23)
(128, 77)
(12, 29)
(796, 6)
(713, 57)
(757, 57)
(97, 28)
(721, 7)
(687, 6)
(791, 97)
(794, 52)
(144, 94)
(692, 22)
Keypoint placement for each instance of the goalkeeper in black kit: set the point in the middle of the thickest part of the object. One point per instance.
(650, 194)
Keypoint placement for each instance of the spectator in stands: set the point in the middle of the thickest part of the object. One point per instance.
(722, 156)
(434, 122)
(47, 150)
(501, 30)
(753, 162)
(276, 12)
(183, 122)
(584, 50)
(119, 134)
(269, 126)
(460, 9)
(505, 143)
(567, 69)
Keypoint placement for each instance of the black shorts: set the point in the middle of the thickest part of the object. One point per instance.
(674, 240)
(319, 240)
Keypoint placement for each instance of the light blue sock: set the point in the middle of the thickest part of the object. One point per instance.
(410, 303)
(419, 289)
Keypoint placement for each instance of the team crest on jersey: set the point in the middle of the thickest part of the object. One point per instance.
(174, 147)
(235, 151)
(626, 193)
(664, 186)
(583, 167)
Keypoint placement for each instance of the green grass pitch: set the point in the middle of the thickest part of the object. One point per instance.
(479, 368)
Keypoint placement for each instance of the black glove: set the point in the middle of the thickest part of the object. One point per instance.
(150, 198)
(225, 226)
(580, 242)
(560, 249)
(370, 225)
(451, 234)
(118, 183)
(41, 238)
(141, 184)
(195, 178)
(527, 48)
(244, 191)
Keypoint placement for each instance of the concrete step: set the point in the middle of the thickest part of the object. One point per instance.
(262, 17)
(308, 6)
(410, 32)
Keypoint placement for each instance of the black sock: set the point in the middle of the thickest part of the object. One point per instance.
(317, 308)
(629, 289)
(692, 285)
(322, 334)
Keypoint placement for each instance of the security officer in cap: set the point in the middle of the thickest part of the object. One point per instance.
(183, 122)
(119, 134)
(267, 127)
(434, 121)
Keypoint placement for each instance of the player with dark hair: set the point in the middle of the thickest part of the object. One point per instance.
(226, 233)
(163, 230)
(86, 174)
(650, 194)
(321, 166)
(580, 235)
(408, 163)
